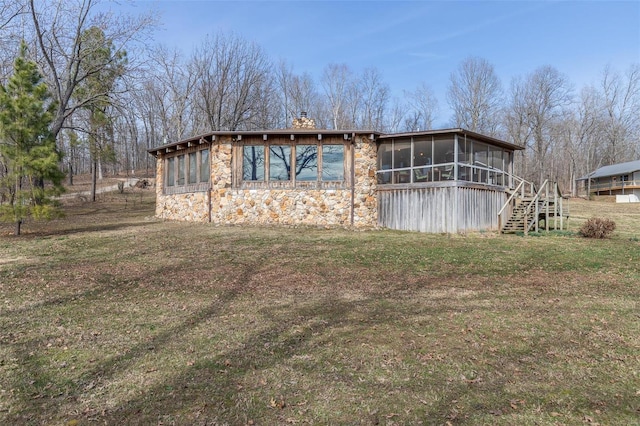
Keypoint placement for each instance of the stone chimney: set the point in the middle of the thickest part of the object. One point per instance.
(303, 122)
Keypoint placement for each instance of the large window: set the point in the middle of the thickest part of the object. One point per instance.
(332, 162)
(205, 166)
(385, 162)
(253, 163)
(193, 167)
(423, 151)
(171, 171)
(402, 162)
(298, 164)
(481, 162)
(280, 162)
(306, 162)
(187, 172)
(443, 150)
(180, 172)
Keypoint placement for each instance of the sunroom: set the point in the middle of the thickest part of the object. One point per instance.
(449, 180)
(445, 155)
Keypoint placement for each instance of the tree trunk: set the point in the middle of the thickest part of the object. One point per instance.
(18, 224)
(94, 167)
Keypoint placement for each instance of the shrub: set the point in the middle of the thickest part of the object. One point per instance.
(597, 227)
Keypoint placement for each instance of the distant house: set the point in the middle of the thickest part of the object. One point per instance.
(616, 179)
(447, 181)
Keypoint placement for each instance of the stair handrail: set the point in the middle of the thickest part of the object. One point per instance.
(528, 209)
(532, 186)
(509, 200)
(520, 188)
(506, 173)
(511, 197)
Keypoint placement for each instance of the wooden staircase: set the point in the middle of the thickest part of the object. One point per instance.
(524, 210)
(520, 216)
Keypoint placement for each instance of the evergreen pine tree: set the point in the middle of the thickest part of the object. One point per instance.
(98, 86)
(28, 150)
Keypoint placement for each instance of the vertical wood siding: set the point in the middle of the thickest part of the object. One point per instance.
(449, 209)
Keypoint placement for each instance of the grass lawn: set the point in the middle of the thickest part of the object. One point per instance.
(110, 316)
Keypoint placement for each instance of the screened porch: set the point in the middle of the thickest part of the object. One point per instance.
(447, 155)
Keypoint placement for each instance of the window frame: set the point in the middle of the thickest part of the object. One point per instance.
(320, 182)
(178, 165)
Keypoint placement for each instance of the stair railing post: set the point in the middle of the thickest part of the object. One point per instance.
(562, 215)
(555, 205)
(546, 200)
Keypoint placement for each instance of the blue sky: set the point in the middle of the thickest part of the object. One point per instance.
(418, 41)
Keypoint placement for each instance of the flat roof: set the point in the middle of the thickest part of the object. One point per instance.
(208, 137)
(374, 135)
(460, 131)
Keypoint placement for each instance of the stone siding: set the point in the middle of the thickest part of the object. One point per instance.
(282, 207)
(314, 207)
(192, 206)
(365, 164)
(160, 198)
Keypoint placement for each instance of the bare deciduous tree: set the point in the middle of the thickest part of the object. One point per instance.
(581, 134)
(171, 85)
(374, 97)
(423, 108)
(304, 96)
(621, 108)
(58, 28)
(232, 75)
(336, 82)
(538, 103)
(396, 115)
(10, 37)
(475, 96)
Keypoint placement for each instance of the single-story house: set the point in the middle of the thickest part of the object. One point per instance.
(450, 180)
(616, 179)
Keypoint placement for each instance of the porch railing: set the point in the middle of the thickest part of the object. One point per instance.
(613, 185)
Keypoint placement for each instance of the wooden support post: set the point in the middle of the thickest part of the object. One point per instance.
(546, 202)
(555, 205)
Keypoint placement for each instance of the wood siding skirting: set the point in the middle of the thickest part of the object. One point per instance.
(451, 208)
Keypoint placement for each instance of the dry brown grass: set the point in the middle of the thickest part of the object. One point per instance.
(110, 316)
(626, 216)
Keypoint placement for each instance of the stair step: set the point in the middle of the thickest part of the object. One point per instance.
(527, 209)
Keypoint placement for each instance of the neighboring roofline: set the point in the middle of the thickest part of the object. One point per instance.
(613, 170)
(474, 135)
(209, 137)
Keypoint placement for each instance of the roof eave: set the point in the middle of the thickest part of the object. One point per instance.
(210, 137)
(478, 136)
